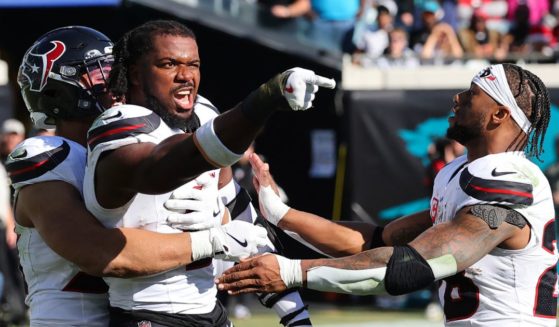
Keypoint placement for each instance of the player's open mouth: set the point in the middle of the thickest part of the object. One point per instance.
(183, 98)
(452, 115)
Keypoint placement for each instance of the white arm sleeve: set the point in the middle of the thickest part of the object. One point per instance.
(357, 282)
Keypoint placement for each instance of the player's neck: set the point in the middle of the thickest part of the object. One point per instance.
(496, 143)
(73, 130)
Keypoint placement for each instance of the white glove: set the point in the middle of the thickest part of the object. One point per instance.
(301, 85)
(230, 242)
(196, 207)
(271, 205)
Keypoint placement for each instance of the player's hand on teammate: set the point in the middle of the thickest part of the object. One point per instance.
(300, 85)
(271, 205)
(196, 207)
(237, 240)
(260, 274)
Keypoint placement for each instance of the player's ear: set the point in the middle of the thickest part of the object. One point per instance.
(500, 114)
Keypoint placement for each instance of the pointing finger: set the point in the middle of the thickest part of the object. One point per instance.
(328, 83)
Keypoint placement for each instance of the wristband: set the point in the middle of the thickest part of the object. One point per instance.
(200, 245)
(211, 147)
(274, 209)
(290, 272)
(262, 102)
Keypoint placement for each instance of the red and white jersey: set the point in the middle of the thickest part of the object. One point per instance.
(505, 287)
(183, 290)
(58, 293)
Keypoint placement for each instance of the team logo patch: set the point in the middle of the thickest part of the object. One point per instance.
(486, 73)
(434, 209)
(40, 64)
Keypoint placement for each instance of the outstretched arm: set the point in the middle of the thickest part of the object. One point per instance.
(439, 252)
(335, 239)
(155, 169)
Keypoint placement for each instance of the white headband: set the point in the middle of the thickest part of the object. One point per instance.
(494, 82)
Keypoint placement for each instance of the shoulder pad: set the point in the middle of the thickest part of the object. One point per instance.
(202, 103)
(504, 178)
(454, 166)
(204, 110)
(120, 122)
(35, 156)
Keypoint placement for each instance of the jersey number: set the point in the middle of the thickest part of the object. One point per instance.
(545, 304)
(461, 297)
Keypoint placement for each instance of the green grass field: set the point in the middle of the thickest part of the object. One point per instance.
(346, 317)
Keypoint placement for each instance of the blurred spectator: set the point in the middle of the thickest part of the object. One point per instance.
(442, 44)
(537, 10)
(435, 39)
(373, 40)
(12, 132)
(288, 9)
(494, 12)
(7, 222)
(441, 152)
(12, 306)
(332, 21)
(531, 36)
(405, 17)
(478, 40)
(449, 7)
(286, 15)
(514, 42)
(398, 54)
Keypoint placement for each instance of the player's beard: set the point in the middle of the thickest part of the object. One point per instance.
(188, 125)
(464, 134)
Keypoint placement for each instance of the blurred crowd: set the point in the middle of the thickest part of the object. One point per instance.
(408, 33)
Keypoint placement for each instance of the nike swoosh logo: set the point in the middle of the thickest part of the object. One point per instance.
(496, 173)
(218, 212)
(118, 114)
(18, 154)
(243, 244)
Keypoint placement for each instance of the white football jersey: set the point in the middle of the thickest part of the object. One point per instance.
(505, 287)
(189, 290)
(58, 293)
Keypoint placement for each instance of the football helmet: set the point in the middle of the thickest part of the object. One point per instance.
(64, 75)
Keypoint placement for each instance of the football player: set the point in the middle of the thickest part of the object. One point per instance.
(61, 245)
(489, 237)
(167, 136)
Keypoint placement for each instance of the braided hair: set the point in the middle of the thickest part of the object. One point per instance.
(136, 43)
(532, 97)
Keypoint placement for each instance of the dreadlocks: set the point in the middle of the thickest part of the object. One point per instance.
(136, 43)
(532, 97)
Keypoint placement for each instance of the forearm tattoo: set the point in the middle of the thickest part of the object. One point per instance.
(374, 258)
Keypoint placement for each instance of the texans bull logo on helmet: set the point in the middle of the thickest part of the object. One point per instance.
(40, 64)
